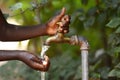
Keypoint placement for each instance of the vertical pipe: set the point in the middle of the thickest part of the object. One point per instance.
(84, 55)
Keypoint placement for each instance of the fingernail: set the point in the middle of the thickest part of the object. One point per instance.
(60, 23)
(65, 31)
(44, 62)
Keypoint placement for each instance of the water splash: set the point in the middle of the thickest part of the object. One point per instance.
(44, 49)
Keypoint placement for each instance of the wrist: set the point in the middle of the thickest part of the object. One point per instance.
(45, 28)
(21, 55)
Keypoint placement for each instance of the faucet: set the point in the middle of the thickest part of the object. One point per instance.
(60, 38)
(73, 40)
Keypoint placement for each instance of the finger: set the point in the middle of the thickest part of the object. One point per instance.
(47, 62)
(58, 17)
(39, 66)
(65, 21)
(64, 24)
(46, 58)
(36, 65)
(60, 24)
(64, 29)
(65, 18)
(36, 59)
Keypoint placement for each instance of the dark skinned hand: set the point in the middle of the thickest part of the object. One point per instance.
(9, 32)
(35, 62)
(52, 25)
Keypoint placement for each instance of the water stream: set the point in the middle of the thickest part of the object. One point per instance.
(43, 52)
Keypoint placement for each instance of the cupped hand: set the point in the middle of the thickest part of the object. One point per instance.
(35, 62)
(52, 25)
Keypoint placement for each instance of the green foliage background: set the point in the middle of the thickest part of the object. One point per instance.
(97, 20)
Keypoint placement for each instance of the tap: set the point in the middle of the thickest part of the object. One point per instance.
(73, 40)
(60, 38)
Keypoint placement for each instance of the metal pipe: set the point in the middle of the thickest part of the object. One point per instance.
(74, 40)
(84, 56)
(58, 38)
(84, 46)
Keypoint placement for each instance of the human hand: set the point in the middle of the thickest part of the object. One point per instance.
(35, 62)
(52, 25)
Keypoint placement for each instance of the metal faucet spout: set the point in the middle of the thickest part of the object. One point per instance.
(58, 38)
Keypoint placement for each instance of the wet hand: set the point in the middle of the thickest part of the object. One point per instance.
(52, 25)
(35, 62)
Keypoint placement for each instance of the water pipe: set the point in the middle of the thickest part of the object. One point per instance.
(74, 40)
(84, 46)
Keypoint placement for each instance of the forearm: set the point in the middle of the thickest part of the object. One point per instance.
(9, 55)
(18, 33)
(9, 32)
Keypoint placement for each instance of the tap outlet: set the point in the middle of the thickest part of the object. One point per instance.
(58, 38)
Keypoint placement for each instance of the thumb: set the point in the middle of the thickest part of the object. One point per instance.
(46, 58)
(58, 17)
